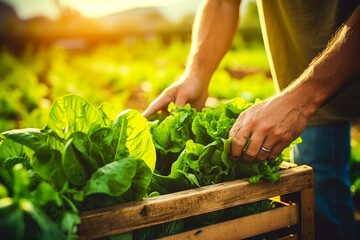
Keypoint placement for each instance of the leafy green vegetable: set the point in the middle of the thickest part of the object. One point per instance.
(210, 164)
(22, 216)
(72, 113)
(116, 178)
(87, 158)
(216, 122)
(172, 133)
(83, 154)
(69, 222)
(75, 170)
(204, 159)
(9, 149)
(108, 113)
(170, 228)
(46, 161)
(132, 138)
(248, 140)
(3, 191)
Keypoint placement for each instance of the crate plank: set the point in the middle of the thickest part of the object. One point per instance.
(138, 214)
(307, 214)
(244, 227)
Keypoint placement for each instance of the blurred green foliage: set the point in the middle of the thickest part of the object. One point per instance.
(128, 74)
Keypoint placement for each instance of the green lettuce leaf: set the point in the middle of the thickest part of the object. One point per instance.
(72, 113)
(45, 160)
(172, 133)
(132, 138)
(75, 172)
(102, 139)
(108, 113)
(30, 137)
(216, 122)
(116, 178)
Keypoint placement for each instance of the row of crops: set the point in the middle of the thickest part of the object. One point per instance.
(128, 75)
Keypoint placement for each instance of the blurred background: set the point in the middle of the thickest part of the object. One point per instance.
(124, 52)
(120, 51)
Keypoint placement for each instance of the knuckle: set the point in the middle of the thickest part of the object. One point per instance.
(238, 142)
(278, 133)
(251, 154)
(250, 121)
(261, 156)
(233, 131)
(168, 96)
(242, 114)
(182, 93)
(248, 158)
(265, 128)
(272, 156)
(285, 137)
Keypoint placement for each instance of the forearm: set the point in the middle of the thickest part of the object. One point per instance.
(331, 69)
(272, 124)
(214, 27)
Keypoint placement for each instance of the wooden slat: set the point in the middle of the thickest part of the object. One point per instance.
(244, 227)
(138, 214)
(307, 214)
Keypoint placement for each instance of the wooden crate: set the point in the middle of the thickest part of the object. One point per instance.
(296, 190)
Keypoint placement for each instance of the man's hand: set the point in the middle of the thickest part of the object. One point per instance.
(185, 90)
(275, 123)
(270, 125)
(213, 30)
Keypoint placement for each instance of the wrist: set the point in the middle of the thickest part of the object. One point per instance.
(300, 102)
(303, 99)
(194, 75)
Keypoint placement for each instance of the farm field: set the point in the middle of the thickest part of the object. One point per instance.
(79, 113)
(45, 173)
(128, 75)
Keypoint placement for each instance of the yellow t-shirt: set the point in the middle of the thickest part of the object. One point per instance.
(296, 31)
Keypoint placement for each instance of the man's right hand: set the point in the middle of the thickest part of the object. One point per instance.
(185, 90)
(214, 27)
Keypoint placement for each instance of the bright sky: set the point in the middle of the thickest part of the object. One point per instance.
(95, 8)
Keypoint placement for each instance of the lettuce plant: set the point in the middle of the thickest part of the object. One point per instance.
(83, 154)
(202, 149)
(87, 157)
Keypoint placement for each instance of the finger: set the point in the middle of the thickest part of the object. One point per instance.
(265, 149)
(199, 105)
(238, 143)
(233, 132)
(180, 101)
(276, 151)
(237, 126)
(160, 103)
(253, 148)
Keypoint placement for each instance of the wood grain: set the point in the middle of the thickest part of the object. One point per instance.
(138, 214)
(307, 214)
(244, 227)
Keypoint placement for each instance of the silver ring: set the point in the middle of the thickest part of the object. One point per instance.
(266, 150)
